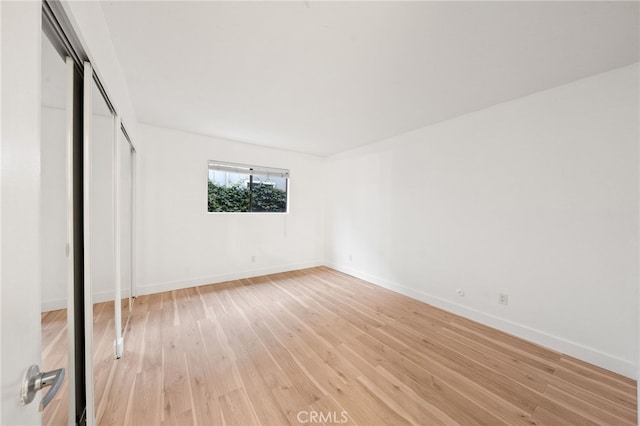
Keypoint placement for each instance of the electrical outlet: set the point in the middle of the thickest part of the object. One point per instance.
(253, 258)
(350, 258)
(460, 292)
(503, 298)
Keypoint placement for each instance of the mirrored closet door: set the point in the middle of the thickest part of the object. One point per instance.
(99, 239)
(108, 266)
(57, 249)
(86, 219)
(124, 192)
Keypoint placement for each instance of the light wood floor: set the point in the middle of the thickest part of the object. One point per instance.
(54, 354)
(317, 346)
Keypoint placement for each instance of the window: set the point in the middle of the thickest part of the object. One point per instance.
(243, 188)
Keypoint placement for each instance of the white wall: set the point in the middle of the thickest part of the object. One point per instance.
(179, 244)
(536, 198)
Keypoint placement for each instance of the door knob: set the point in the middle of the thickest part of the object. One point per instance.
(34, 380)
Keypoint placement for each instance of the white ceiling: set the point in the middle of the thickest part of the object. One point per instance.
(323, 77)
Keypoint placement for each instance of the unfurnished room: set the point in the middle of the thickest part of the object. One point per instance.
(319, 212)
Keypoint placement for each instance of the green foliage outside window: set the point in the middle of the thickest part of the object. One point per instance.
(228, 198)
(239, 198)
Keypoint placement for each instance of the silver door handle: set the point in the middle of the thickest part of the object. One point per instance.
(34, 380)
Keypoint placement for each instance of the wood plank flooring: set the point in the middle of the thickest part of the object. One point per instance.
(54, 355)
(320, 347)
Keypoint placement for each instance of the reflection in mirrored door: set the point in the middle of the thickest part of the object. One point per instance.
(82, 217)
(99, 130)
(57, 253)
(107, 239)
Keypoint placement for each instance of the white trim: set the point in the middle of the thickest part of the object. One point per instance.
(57, 304)
(118, 347)
(577, 350)
(134, 168)
(53, 305)
(196, 282)
(247, 169)
(88, 284)
(70, 302)
(117, 259)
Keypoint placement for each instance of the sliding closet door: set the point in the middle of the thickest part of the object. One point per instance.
(100, 243)
(132, 288)
(61, 273)
(117, 237)
(108, 241)
(87, 211)
(122, 235)
(86, 220)
(125, 232)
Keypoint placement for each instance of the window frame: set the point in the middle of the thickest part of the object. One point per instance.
(252, 171)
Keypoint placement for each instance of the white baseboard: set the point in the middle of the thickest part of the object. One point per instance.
(56, 304)
(179, 285)
(574, 349)
(53, 305)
